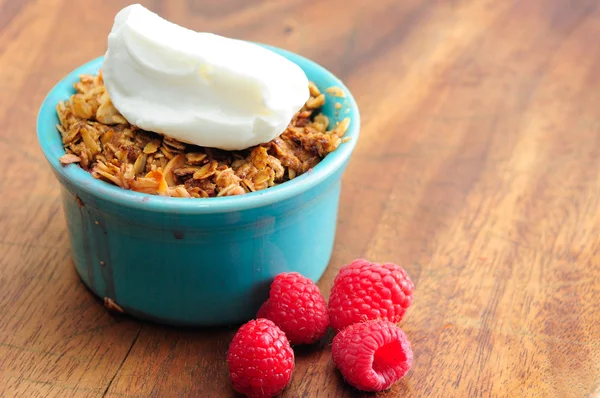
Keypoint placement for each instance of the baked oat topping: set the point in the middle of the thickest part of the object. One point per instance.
(336, 91)
(101, 141)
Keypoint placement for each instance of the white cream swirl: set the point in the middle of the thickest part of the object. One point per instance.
(199, 88)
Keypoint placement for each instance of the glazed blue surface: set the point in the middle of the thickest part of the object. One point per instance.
(198, 262)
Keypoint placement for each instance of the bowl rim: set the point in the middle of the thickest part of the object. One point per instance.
(84, 181)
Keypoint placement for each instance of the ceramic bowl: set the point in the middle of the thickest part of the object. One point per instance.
(198, 262)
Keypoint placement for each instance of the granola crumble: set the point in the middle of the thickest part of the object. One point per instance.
(97, 137)
(336, 91)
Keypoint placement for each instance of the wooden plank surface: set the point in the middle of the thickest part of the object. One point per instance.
(478, 170)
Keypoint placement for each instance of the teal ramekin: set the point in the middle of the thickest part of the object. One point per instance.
(198, 262)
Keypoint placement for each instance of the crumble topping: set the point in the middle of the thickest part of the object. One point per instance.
(97, 137)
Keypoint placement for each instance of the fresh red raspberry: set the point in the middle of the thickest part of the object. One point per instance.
(297, 307)
(260, 359)
(364, 291)
(372, 355)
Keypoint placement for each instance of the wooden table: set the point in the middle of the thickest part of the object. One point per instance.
(478, 170)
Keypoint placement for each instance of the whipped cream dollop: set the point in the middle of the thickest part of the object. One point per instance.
(199, 88)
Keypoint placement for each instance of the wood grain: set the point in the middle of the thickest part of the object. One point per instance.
(478, 170)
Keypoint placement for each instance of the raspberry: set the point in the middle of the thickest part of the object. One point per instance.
(372, 355)
(260, 359)
(364, 291)
(297, 307)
